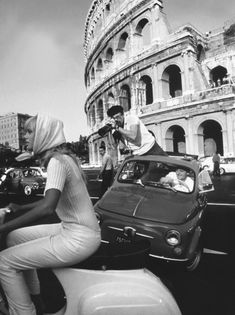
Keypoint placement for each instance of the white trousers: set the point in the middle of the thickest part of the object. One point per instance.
(40, 246)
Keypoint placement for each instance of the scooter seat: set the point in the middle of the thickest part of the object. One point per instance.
(118, 256)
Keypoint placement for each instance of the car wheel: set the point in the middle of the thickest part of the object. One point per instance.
(27, 190)
(194, 262)
(222, 171)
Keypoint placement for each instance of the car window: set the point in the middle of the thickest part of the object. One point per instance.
(229, 160)
(157, 174)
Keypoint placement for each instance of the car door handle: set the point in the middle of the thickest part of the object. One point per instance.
(129, 231)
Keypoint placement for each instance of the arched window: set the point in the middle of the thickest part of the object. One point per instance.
(147, 87)
(100, 111)
(122, 41)
(143, 28)
(92, 73)
(125, 97)
(171, 82)
(200, 53)
(99, 64)
(109, 54)
(93, 115)
(110, 101)
(218, 75)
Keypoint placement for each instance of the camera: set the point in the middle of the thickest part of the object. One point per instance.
(104, 130)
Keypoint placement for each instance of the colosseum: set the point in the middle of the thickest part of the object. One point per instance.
(179, 82)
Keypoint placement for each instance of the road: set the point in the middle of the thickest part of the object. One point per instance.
(210, 289)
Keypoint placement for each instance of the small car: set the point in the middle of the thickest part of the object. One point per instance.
(25, 181)
(140, 205)
(227, 165)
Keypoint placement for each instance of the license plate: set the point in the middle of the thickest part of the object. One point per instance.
(121, 239)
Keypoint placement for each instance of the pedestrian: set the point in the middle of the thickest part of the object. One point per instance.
(216, 161)
(106, 171)
(62, 244)
(138, 140)
(204, 179)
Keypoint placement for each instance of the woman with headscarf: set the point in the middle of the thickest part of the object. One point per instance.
(43, 246)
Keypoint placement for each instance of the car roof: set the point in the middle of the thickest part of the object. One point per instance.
(166, 159)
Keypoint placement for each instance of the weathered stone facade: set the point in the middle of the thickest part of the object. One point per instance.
(179, 82)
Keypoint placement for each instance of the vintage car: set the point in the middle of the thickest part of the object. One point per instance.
(25, 181)
(140, 205)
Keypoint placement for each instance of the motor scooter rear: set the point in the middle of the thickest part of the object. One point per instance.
(115, 281)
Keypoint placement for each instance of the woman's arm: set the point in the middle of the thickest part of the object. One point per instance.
(17, 208)
(46, 206)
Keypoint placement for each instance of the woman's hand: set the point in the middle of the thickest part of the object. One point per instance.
(14, 207)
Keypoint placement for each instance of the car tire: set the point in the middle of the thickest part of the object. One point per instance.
(194, 262)
(222, 171)
(27, 190)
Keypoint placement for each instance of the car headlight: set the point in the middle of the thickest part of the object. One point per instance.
(173, 237)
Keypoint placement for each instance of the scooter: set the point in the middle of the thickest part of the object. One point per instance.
(115, 281)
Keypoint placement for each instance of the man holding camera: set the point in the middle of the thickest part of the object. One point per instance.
(131, 130)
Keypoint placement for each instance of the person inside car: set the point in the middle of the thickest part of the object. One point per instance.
(179, 180)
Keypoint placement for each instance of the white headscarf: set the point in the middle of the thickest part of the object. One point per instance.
(49, 133)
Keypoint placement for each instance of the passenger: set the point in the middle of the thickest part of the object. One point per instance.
(179, 180)
(42, 246)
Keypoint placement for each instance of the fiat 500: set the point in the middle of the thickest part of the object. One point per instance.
(156, 198)
(25, 181)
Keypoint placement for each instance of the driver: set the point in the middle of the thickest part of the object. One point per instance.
(179, 180)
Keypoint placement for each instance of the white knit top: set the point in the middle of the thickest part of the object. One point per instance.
(74, 206)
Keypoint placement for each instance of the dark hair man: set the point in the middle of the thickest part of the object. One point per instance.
(106, 171)
(136, 136)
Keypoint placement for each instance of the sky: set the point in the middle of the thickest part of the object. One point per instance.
(41, 53)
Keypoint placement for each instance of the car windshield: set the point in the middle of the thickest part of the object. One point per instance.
(157, 174)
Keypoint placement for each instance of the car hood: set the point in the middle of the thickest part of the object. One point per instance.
(162, 205)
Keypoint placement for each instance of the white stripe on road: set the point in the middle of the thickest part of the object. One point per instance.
(221, 204)
(211, 251)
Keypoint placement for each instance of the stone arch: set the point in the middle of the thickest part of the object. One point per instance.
(147, 86)
(143, 29)
(122, 41)
(110, 100)
(102, 144)
(218, 75)
(210, 137)
(92, 73)
(175, 139)
(200, 53)
(109, 54)
(100, 110)
(99, 64)
(125, 97)
(171, 82)
(93, 115)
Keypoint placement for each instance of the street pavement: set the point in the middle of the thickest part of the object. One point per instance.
(210, 289)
